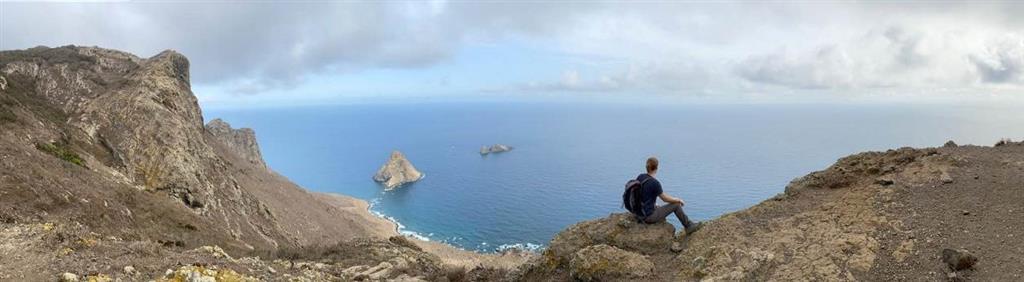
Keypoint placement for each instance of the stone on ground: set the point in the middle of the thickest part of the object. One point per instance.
(958, 259)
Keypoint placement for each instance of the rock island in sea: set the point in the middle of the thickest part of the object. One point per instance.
(496, 148)
(396, 172)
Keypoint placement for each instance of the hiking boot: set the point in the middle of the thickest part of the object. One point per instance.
(694, 228)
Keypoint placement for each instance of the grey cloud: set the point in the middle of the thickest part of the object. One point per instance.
(652, 77)
(892, 57)
(1002, 63)
(258, 46)
(263, 45)
(276, 43)
(828, 68)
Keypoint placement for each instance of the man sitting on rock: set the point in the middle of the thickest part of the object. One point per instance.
(651, 190)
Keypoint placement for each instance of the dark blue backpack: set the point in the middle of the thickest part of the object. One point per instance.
(632, 198)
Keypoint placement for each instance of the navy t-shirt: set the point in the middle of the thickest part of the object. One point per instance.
(649, 192)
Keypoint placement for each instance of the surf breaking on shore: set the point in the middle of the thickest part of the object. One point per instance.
(481, 248)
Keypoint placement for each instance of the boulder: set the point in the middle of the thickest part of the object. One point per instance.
(946, 178)
(67, 277)
(397, 171)
(958, 259)
(949, 144)
(130, 270)
(620, 230)
(600, 262)
(676, 247)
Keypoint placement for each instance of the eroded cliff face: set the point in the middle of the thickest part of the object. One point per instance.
(241, 142)
(134, 122)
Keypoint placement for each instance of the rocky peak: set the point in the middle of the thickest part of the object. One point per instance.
(241, 141)
(169, 63)
(397, 171)
(137, 122)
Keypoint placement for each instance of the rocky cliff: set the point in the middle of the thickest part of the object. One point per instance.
(105, 164)
(241, 142)
(910, 214)
(396, 171)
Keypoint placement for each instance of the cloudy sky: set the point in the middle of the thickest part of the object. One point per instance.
(325, 52)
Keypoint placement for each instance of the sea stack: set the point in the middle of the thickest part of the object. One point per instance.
(396, 171)
(496, 148)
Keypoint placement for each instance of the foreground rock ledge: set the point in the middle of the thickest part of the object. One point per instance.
(599, 262)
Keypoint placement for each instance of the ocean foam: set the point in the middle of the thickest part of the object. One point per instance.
(529, 247)
(484, 247)
(399, 227)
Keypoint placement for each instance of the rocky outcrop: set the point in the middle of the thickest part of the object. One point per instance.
(496, 148)
(875, 216)
(240, 141)
(603, 262)
(620, 236)
(619, 230)
(396, 172)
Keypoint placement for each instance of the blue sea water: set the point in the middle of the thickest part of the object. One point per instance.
(570, 160)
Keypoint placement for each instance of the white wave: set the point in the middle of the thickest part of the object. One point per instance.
(483, 247)
(399, 227)
(529, 247)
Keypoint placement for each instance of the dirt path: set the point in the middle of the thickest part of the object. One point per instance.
(980, 209)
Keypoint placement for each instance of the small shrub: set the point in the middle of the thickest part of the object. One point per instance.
(455, 273)
(6, 115)
(61, 151)
(1004, 142)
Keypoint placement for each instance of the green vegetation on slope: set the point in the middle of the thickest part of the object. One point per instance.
(61, 151)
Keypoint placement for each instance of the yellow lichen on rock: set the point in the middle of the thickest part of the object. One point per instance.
(99, 278)
(88, 242)
(201, 273)
(65, 251)
(216, 251)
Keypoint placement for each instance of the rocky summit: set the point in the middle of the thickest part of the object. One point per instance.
(396, 172)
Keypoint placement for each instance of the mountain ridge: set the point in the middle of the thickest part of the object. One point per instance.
(104, 152)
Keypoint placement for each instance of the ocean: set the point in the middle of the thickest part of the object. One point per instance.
(570, 160)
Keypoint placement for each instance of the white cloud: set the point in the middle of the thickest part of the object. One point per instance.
(661, 47)
(894, 57)
(1002, 61)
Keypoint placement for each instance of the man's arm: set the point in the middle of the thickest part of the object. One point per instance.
(669, 199)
